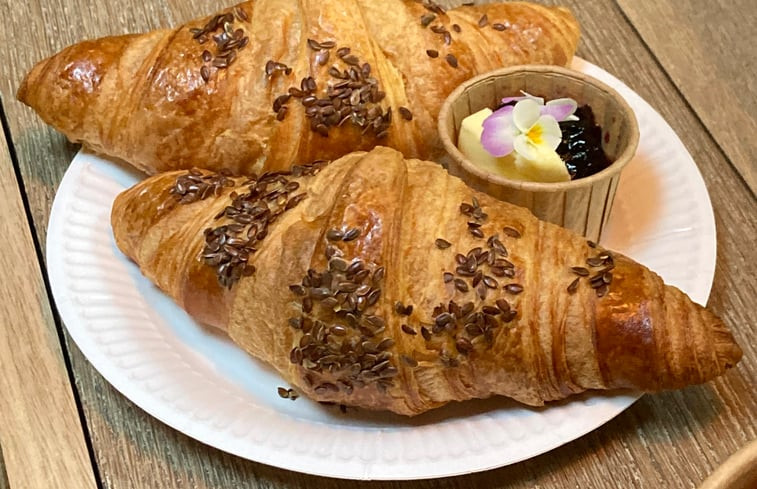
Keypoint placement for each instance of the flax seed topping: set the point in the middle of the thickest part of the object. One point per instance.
(229, 39)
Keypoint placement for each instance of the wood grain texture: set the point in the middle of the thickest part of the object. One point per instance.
(40, 430)
(707, 48)
(670, 440)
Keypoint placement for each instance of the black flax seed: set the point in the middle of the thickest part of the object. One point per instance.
(426, 19)
(573, 287)
(490, 282)
(476, 232)
(512, 232)
(461, 285)
(241, 14)
(514, 288)
(409, 361)
(351, 235)
(442, 244)
(334, 235)
(602, 290)
(463, 345)
(407, 329)
(322, 57)
(406, 114)
(580, 271)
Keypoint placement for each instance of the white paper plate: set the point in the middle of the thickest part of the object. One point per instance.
(204, 386)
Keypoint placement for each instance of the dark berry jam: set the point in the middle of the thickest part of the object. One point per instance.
(581, 146)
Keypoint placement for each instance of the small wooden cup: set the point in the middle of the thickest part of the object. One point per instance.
(582, 205)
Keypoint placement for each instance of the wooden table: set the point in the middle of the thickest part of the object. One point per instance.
(62, 425)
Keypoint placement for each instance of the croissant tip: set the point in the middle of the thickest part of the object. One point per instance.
(728, 352)
(24, 92)
(63, 87)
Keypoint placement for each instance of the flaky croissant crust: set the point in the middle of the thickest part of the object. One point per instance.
(145, 99)
(386, 283)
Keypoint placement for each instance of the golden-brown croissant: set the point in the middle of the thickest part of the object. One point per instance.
(385, 283)
(247, 89)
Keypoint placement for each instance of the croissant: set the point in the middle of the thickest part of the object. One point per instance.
(385, 283)
(271, 82)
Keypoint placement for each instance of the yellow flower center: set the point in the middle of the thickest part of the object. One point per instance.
(535, 134)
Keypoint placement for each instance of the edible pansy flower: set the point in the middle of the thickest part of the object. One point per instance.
(521, 128)
(530, 127)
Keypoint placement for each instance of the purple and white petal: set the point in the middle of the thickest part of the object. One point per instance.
(525, 96)
(497, 136)
(510, 100)
(506, 111)
(560, 108)
(497, 144)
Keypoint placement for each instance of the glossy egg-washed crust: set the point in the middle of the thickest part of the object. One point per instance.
(642, 334)
(141, 98)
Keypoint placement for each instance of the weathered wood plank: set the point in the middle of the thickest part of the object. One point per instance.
(666, 440)
(40, 430)
(707, 48)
